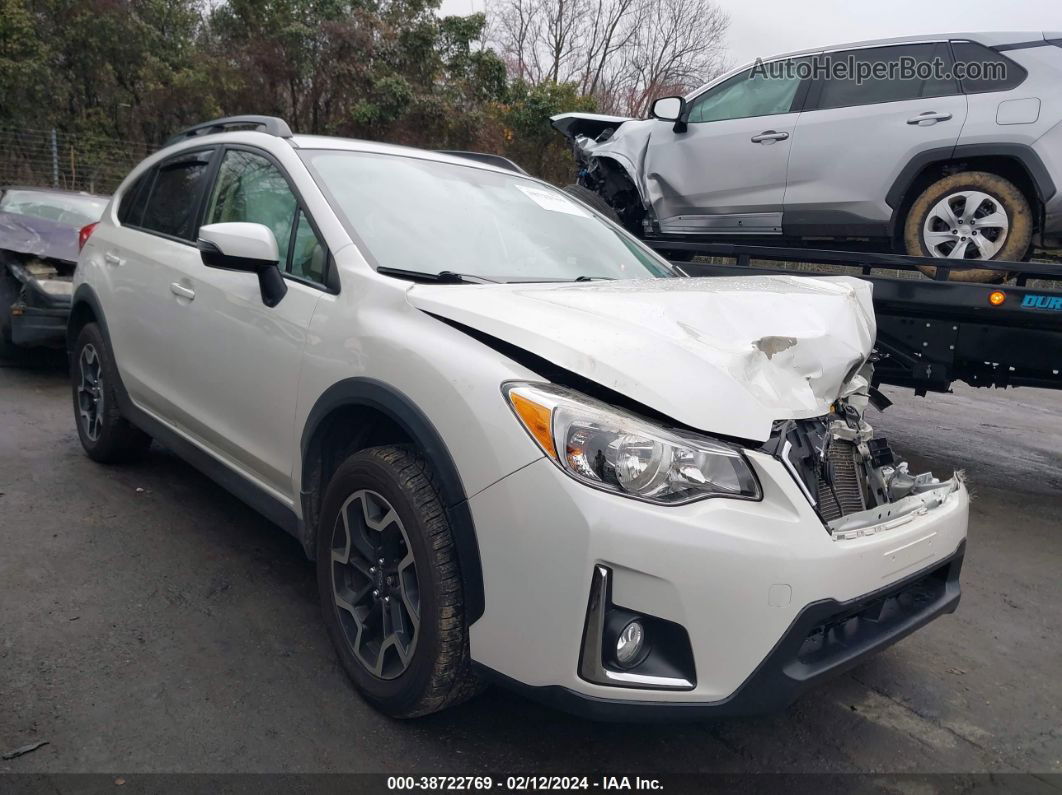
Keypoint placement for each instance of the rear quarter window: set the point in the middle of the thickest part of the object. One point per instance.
(986, 70)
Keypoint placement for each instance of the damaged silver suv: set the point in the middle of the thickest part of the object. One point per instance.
(935, 146)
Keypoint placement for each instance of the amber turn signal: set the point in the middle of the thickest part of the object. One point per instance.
(538, 421)
(997, 297)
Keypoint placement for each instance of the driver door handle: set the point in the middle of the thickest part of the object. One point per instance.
(930, 116)
(769, 136)
(181, 291)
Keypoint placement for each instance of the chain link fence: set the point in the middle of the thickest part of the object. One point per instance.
(52, 158)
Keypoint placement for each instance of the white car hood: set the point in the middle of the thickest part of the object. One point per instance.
(723, 355)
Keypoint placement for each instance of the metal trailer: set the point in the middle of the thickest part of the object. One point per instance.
(931, 332)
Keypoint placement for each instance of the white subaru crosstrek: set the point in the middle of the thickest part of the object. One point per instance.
(519, 445)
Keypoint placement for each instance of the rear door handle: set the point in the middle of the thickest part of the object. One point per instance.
(112, 259)
(929, 116)
(181, 291)
(769, 136)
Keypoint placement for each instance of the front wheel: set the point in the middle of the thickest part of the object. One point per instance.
(390, 586)
(970, 216)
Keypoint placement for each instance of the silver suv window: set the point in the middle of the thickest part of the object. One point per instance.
(886, 81)
(749, 94)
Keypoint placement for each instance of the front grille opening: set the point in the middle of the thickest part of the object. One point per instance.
(840, 481)
(837, 634)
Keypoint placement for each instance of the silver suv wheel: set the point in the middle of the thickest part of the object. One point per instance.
(967, 224)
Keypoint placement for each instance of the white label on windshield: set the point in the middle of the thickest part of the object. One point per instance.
(552, 201)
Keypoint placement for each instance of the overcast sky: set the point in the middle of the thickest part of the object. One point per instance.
(760, 28)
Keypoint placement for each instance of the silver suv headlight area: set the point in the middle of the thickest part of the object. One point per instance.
(613, 450)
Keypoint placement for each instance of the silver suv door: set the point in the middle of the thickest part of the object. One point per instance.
(723, 170)
(863, 122)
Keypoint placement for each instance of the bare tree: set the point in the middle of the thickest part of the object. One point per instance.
(678, 45)
(622, 52)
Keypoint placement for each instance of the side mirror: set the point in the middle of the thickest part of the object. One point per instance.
(669, 109)
(250, 248)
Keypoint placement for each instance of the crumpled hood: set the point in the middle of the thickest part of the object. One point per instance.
(723, 355)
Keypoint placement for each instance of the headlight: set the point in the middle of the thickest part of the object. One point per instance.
(614, 450)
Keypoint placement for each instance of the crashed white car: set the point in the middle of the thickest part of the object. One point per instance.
(520, 447)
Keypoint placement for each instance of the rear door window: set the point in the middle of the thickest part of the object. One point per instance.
(173, 203)
(131, 207)
(886, 74)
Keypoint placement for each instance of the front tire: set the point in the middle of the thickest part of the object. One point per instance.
(973, 215)
(105, 434)
(390, 586)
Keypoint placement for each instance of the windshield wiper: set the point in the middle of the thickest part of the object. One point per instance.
(442, 277)
(594, 279)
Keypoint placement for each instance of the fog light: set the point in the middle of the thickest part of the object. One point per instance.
(629, 644)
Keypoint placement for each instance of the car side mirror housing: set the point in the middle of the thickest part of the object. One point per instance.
(250, 248)
(668, 109)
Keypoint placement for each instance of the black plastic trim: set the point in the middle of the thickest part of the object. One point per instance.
(780, 678)
(1025, 155)
(1023, 45)
(404, 412)
(830, 223)
(271, 125)
(486, 158)
(239, 486)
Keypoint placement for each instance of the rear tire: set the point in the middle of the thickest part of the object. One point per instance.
(946, 203)
(390, 586)
(105, 434)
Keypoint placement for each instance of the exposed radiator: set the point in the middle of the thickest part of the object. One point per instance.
(844, 473)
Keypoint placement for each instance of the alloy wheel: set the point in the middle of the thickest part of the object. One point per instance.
(969, 224)
(375, 584)
(90, 392)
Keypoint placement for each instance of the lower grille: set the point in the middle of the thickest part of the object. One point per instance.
(840, 488)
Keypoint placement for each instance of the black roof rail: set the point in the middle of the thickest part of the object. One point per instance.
(485, 157)
(267, 124)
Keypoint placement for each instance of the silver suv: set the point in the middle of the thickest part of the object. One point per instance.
(938, 146)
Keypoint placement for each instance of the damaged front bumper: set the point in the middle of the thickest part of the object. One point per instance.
(40, 312)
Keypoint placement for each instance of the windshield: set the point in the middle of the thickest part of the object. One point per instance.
(427, 216)
(62, 208)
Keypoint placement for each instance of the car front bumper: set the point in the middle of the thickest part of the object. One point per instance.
(771, 602)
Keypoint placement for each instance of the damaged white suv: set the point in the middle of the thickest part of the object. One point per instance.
(519, 446)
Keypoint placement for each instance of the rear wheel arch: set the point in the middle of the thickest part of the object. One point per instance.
(84, 309)
(1014, 162)
(358, 413)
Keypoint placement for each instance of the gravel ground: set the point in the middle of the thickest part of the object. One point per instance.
(150, 622)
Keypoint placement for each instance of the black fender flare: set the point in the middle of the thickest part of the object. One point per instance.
(370, 393)
(1023, 154)
(84, 295)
